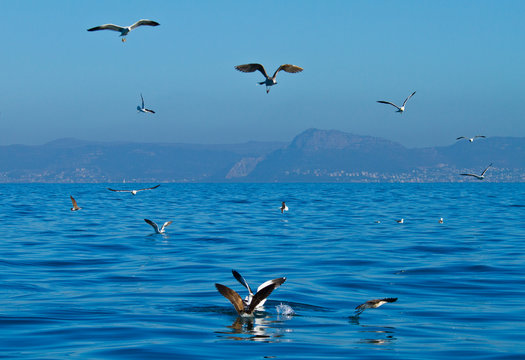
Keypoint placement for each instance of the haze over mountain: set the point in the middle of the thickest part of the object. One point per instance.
(314, 155)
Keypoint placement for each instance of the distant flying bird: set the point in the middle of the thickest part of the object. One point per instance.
(248, 299)
(75, 206)
(124, 30)
(479, 177)
(283, 207)
(243, 307)
(400, 109)
(134, 192)
(373, 304)
(156, 227)
(400, 221)
(142, 108)
(471, 139)
(270, 81)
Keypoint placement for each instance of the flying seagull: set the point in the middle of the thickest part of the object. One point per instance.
(248, 299)
(143, 109)
(134, 192)
(399, 109)
(373, 304)
(471, 139)
(156, 227)
(248, 306)
(124, 30)
(479, 177)
(283, 207)
(270, 81)
(75, 206)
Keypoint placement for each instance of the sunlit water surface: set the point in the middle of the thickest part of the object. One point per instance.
(99, 284)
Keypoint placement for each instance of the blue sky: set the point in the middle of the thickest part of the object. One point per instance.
(465, 59)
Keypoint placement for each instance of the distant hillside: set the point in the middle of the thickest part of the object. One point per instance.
(312, 156)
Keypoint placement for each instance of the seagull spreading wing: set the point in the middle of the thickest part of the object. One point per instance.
(269, 81)
(249, 298)
(124, 30)
(399, 108)
(134, 192)
(373, 304)
(143, 108)
(472, 138)
(75, 206)
(156, 227)
(479, 177)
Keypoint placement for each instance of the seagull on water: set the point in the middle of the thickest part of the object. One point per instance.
(143, 109)
(283, 207)
(270, 81)
(400, 221)
(479, 177)
(472, 138)
(373, 304)
(75, 206)
(441, 220)
(134, 192)
(156, 227)
(252, 302)
(124, 30)
(400, 109)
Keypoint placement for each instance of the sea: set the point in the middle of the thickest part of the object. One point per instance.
(99, 283)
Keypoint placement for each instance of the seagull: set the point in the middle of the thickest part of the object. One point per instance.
(373, 304)
(283, 207)
(126, 29)
(143, 109)
(252, 302)
(134, 192)
(75, 206)
(479, 177)
(270, 81)
(156, 227)
(400, 221)
(441, 220)
(248, 299)
(471, 139)
(399, 109)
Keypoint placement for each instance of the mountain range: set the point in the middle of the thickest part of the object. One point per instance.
(312, 156)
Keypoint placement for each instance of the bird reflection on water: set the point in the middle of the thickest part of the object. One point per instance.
(264, 329)
(384, 334)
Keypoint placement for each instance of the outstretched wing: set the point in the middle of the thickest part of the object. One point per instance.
(107, 27)
(479, 136)
(461, 137)
(153, 225)
(242, 280)
(288, 68)
(144, 22)
(277, 282)
(260, 296)
(247, 68)
(142, 100)
(75, 206)
(150, 188)
(484, 171)
(473, 175)
(150, 111)
(166, 224)
(389, 103)
(409, 96)
(231, 295)
(118, 190)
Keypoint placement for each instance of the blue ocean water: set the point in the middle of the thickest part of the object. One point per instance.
(99, 284)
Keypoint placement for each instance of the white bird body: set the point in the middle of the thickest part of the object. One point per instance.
(400, 221)
(283, 207)
(156, 227)
(124, 30)
(479, 177)
(249, 298)
(269, 81)
(400, 109)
